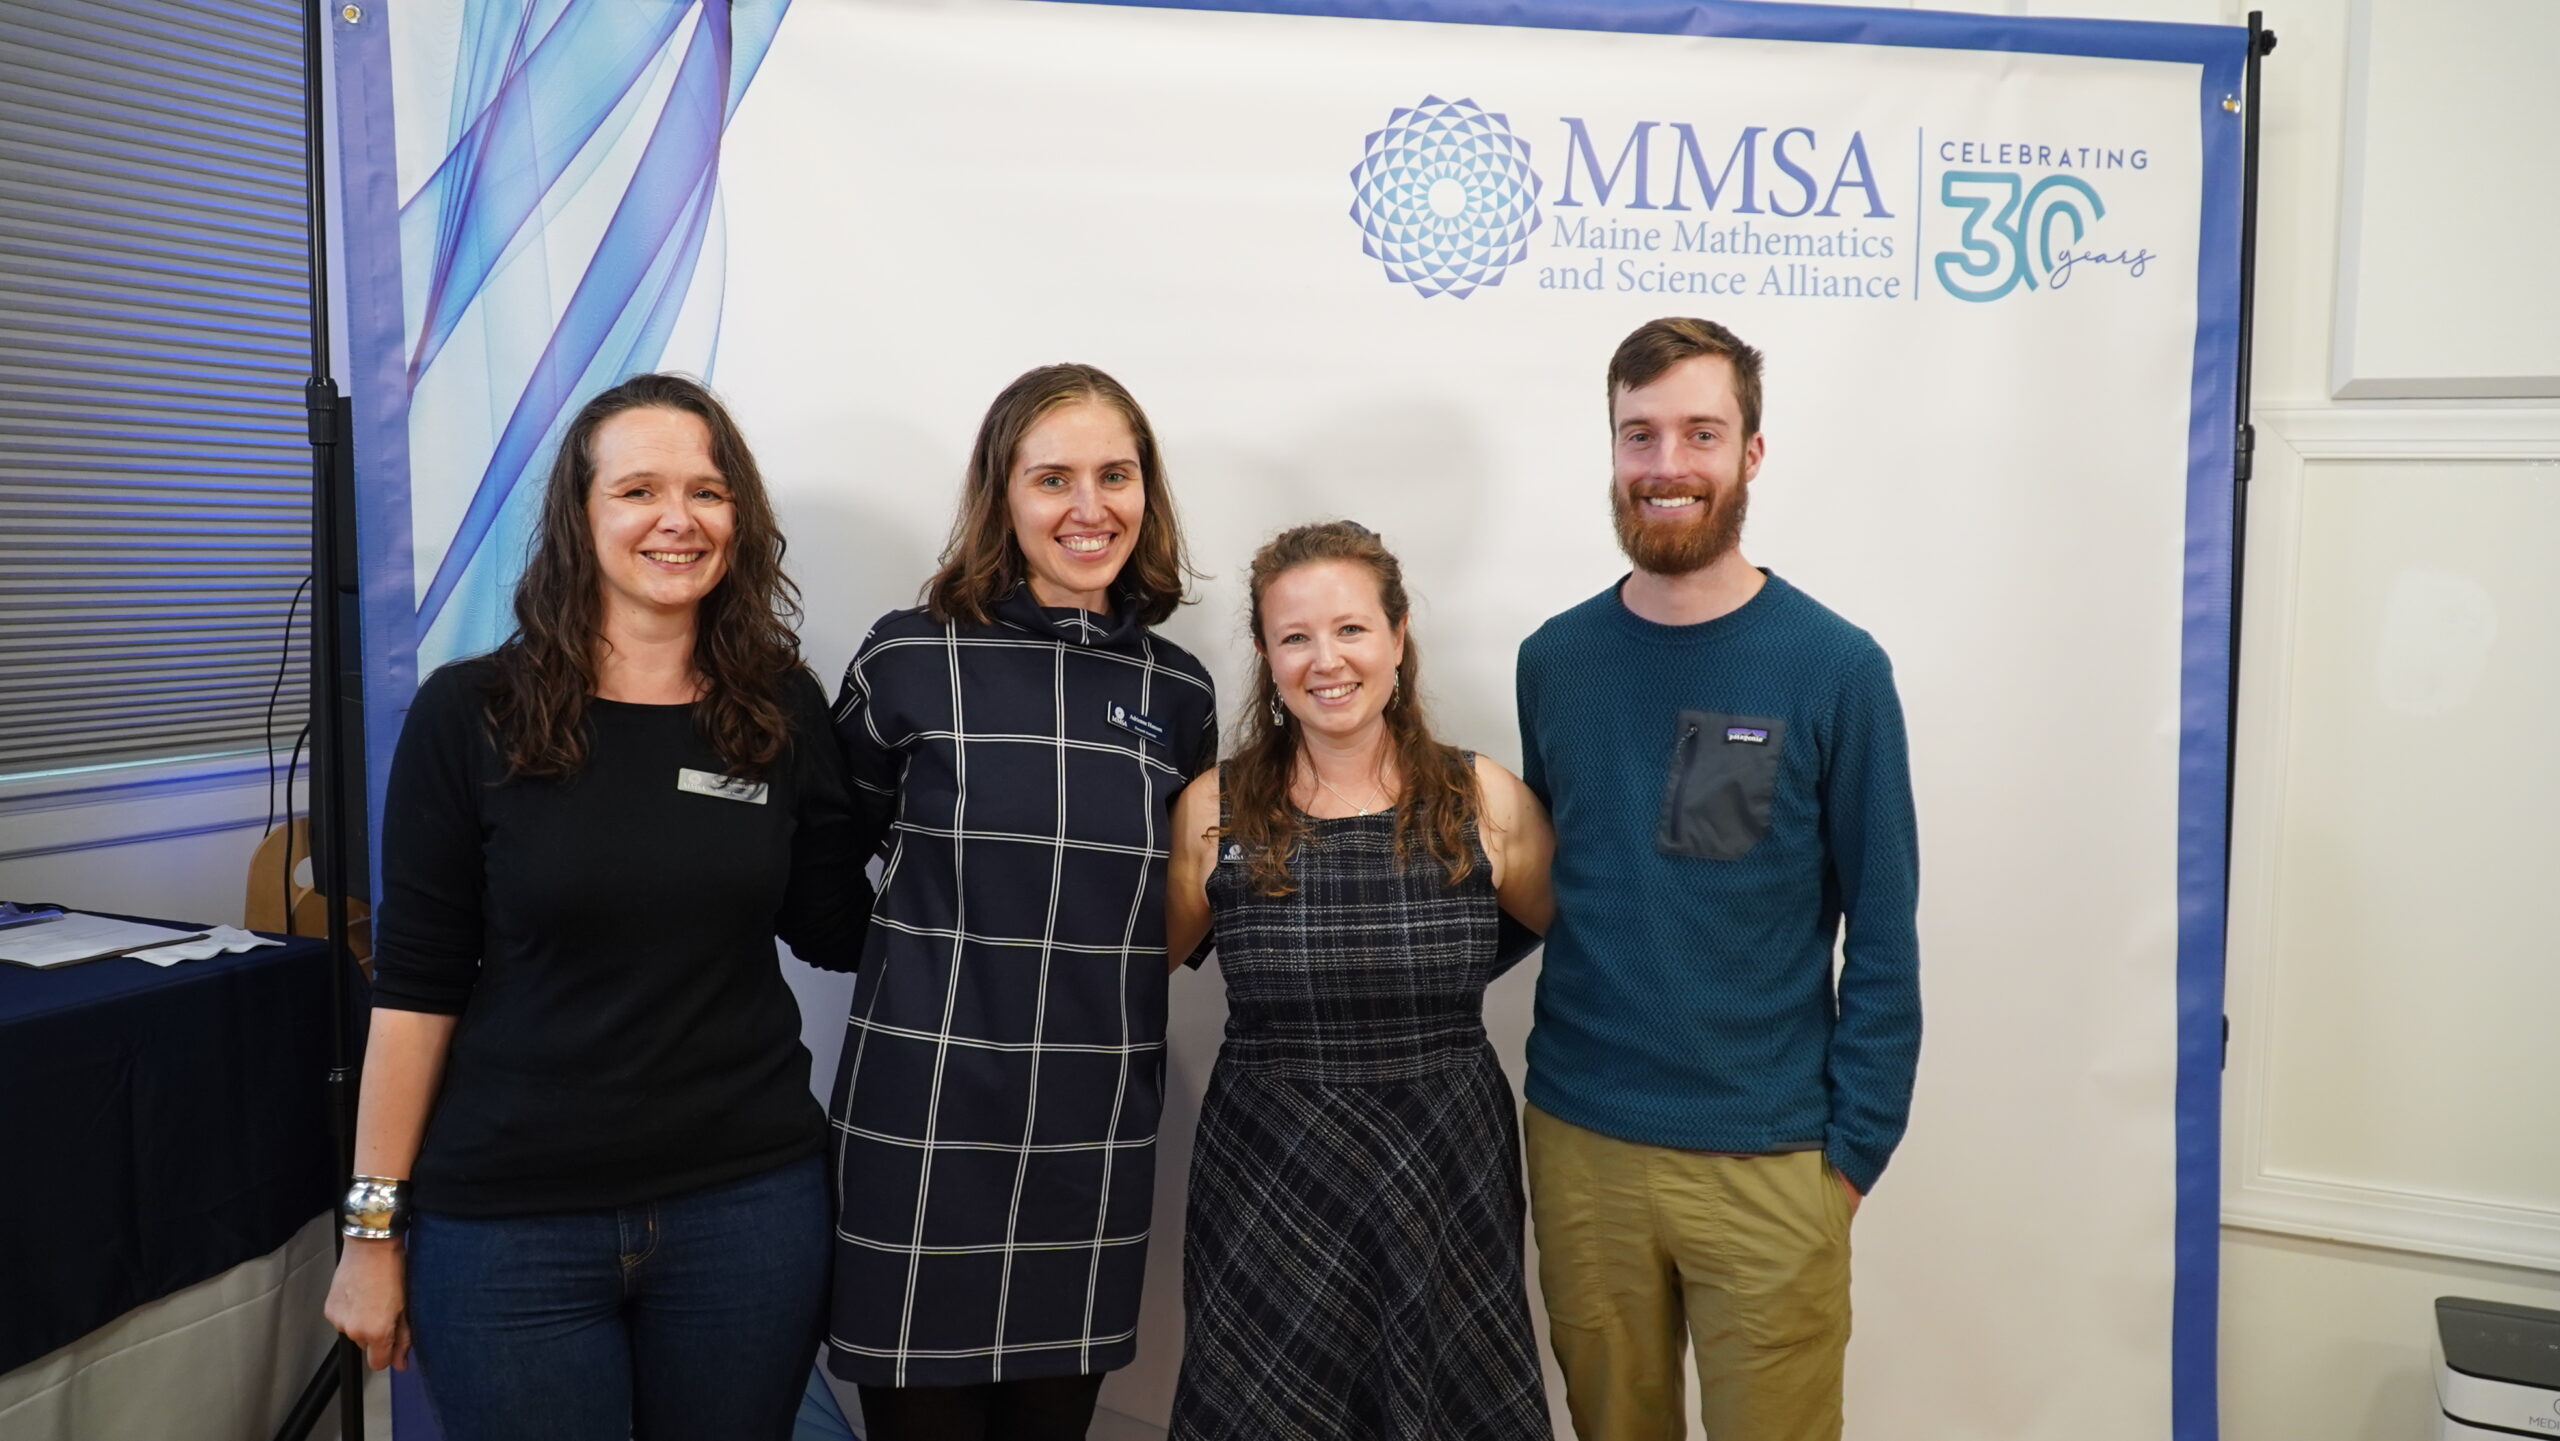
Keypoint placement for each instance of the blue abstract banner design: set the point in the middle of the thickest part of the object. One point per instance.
(530, 209)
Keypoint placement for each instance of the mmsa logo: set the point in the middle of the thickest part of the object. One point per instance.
(1445, 198)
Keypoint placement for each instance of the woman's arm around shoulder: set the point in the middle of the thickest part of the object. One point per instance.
(873, 740)
(1520, 843)
(827, 906)
(1195, 854)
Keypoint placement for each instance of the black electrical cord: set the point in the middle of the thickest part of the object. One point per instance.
(267, 732)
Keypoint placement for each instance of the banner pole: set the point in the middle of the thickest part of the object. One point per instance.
(343, 1369)
(2262, 41)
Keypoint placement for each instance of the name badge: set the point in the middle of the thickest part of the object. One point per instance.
(1143, 727)
(727, 788)
(1746, 735)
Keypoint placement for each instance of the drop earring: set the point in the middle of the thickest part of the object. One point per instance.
(1279, 713)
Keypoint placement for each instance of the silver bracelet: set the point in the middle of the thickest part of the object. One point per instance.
(376, 1208)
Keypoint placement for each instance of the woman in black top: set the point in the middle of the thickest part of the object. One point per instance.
(1017, 740)
(584, 1087)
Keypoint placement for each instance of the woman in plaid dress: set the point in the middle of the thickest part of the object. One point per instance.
(1018, 741)
(1352, 1259)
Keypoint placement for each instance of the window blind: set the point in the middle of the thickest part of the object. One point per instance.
(154, 477)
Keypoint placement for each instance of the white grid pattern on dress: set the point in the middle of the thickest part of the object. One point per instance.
(958, 1022)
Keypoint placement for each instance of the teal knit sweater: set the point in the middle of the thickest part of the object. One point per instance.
(1724, 795)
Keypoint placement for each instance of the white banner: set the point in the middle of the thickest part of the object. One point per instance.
(1370, 266)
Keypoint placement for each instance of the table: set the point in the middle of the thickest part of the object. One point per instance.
(157, 1127)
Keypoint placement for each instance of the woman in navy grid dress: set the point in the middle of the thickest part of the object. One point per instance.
(1352, 1260)
(1018, 741)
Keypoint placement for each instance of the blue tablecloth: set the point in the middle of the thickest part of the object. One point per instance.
(157, 1127)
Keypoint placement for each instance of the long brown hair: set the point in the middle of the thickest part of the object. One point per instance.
(743, 642)
(982, 563)
(1439, 798)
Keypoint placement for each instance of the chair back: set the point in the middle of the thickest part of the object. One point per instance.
(282, 900)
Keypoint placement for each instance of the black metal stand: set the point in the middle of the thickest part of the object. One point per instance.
(343, 1371)
(2244, 438)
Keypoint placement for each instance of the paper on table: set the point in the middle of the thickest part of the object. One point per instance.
(80, 937)
(218, 941)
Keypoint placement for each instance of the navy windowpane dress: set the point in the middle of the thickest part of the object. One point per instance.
(995, 1110)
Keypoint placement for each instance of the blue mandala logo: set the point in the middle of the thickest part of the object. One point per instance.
(1445, 198)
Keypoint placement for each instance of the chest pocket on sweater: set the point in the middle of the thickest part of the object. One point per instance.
(1724, 776)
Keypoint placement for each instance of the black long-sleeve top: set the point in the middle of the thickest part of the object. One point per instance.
(607, 941)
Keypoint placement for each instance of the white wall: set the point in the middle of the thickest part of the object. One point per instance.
(2390, 927)
(170, 840)
(2456, 104)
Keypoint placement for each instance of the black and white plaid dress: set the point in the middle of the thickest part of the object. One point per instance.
(995, 1111)
(1352, 1264)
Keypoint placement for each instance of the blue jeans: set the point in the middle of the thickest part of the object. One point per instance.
(690, 1317)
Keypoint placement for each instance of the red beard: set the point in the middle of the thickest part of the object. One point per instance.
(1680, 547)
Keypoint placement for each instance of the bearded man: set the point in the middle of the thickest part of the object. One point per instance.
(1725, 762)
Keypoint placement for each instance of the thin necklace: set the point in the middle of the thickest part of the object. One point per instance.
(1356, 808)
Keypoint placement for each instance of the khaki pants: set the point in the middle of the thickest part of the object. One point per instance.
(1748, 1254)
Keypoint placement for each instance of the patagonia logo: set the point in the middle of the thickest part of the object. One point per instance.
(1141, 726)
(727, 788)
(1745, 735)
